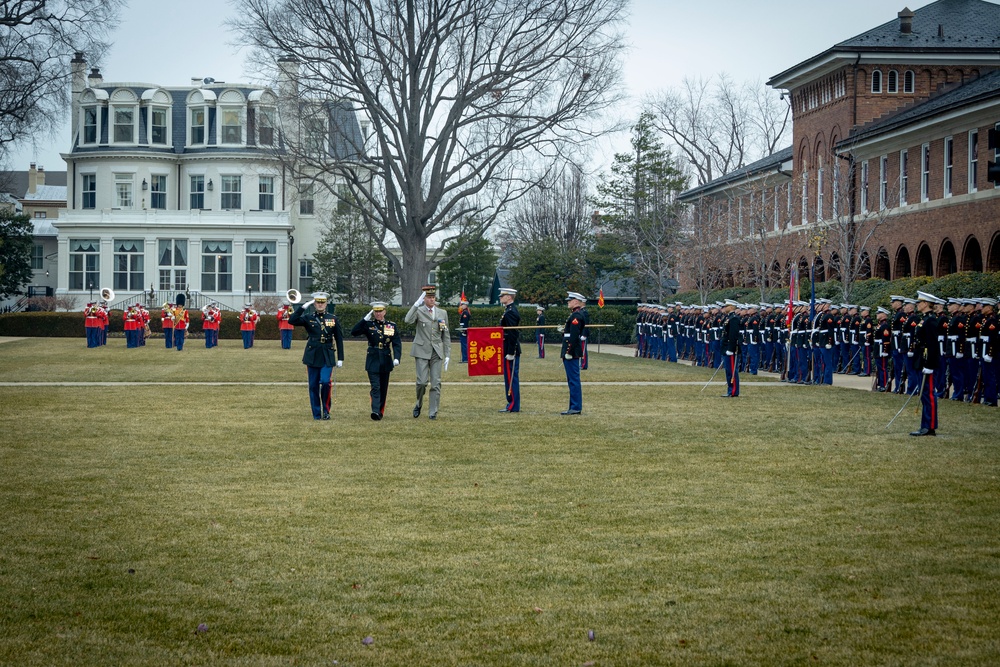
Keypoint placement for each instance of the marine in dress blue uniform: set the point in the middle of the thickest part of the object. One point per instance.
(464, 319)
(574, 335)
(730, 345)
(511, 350)
(323, 330)
(926, 358)
(384, 351)
(540, 333)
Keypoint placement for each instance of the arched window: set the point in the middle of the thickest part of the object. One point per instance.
(892, 82)
(877, 81)
(124, 117)
(908, 81)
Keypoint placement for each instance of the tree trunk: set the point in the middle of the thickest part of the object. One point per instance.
(413, 272)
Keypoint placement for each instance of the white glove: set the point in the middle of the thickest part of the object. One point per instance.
(909, 354)
(509, 357)
(569, 357)
(928, 371)
(395, 362)
(959, 355)
(728, 353)
(340, 364)
(420, 300)
(368, 317)
(987, 358)
(308, 303)
(829, 347)
(446, 360)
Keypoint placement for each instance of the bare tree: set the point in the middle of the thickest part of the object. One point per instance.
(703, 253)
(721, 126)
(37, 40)
(557, 209)
(863, 198)
(461, 97)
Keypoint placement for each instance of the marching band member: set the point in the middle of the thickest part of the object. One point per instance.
(131, 318)
(181, 322)
(167, 323)
(144, 326)
(323, 330)
(511, 349)
(286, 329)
(91, 322)
(248, 324)
(104, 321)
(210, 325)
(574, 336)
(384, 350)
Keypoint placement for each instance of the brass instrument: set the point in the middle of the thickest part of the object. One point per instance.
(293, 296)
(107, 294)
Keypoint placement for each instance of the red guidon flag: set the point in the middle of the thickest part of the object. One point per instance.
(485, 351)
(600, 299)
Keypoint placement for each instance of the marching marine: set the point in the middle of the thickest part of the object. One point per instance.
(384, 350)
(319, 357)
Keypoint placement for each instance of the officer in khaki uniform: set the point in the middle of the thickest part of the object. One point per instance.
(431, 348)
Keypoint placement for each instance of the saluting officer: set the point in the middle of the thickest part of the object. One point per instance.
(511, 349)
(384, 350)
(574, 335)
(323, 329)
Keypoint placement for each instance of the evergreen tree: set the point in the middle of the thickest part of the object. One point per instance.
(543, 272)
(348, 263)
(470, 269)
(15, 253)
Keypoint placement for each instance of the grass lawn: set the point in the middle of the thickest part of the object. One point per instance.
(788, 527)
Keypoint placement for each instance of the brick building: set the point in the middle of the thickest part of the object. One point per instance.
(887, 172)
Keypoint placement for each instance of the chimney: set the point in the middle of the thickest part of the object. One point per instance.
(940, 31)
(288, 78)
(78, 78)
(196, 81)
(95, 79)
(905, 21)
(32, 178)
(40, 176)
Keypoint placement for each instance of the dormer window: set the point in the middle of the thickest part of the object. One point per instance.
(158, 126)
(231, 126)
(124, 117)
(197, 126)
(90, 115)
(877, 81)
(265, 127)
(124, 124)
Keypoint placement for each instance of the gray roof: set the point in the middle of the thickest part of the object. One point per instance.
(46, 193)
(764, 165)
(16, 182)
(967, 26)
(984, 88)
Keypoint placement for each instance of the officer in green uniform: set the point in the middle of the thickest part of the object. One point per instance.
(323, 330)
(384, 350)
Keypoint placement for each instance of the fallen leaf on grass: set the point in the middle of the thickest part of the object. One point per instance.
(368, 641)
(538, 610)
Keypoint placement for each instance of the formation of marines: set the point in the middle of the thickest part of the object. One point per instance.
(808, 345)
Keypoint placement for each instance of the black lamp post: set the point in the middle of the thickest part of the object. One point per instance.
(91, 286)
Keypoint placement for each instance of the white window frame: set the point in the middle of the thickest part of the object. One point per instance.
(192, 193)
(948, 174)
(876, 79)
(153, 179)
(96, 108)
(85, 180)
(167, 129)
(892, 82)
(226, 191)
(191, 125)
(134, 110)
(973, 160)
(776, 207)
(819, 192)
(132, 278)
(925, 172)
(265, 192)
(214, 274)
(241, 117)
(307, 194)
(883, 182)
(124, 192)
(262, 267)
(909, 82)
(904, 179)
(835, 204)
(37, 257)
(864, 186)
(805, 197)
(172, 276)
(89, 271)
(305, 275)
(270, 114)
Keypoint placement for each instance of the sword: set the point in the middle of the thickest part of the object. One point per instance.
(922, 379)
(711, 378)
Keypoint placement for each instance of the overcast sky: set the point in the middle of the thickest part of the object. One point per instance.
(671, 39)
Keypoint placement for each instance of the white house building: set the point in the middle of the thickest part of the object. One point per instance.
(174, 189)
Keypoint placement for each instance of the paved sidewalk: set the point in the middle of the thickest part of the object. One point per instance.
(849, 381)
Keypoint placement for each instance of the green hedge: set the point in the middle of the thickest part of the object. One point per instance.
(70, 324)
(874, 292)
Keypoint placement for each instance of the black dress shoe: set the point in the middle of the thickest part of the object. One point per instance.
(570, 412)
(376, 416)
(326, 415)
(416, 412)
(433, 417)
(924, 431)
(504, 410)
